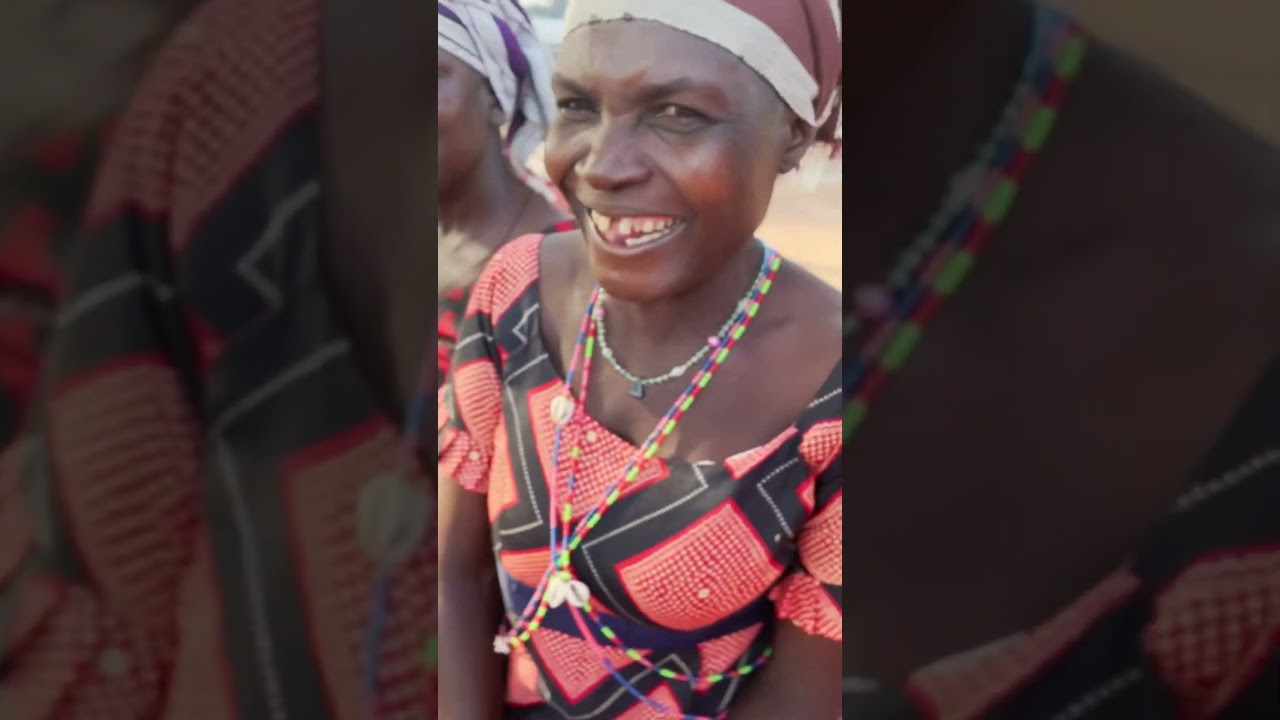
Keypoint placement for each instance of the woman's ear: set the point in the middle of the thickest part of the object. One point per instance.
(799, 138)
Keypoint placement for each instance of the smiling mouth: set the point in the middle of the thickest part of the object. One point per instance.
(634, 231)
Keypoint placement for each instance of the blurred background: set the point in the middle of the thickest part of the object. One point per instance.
(1227, 51)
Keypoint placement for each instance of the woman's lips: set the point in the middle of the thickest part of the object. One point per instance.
(633, 231)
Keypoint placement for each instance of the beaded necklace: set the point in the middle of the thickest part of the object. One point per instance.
(559, 585)
(639, 384)
(883, 331)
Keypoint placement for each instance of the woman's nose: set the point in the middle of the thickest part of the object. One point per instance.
(614, 159)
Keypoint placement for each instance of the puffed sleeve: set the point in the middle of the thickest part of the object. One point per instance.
(810, 596)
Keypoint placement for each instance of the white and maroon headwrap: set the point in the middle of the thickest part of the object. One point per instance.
(496, 38)
(795, 45)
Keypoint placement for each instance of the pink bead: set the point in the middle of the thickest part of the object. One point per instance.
(873, 301)
(713, 341)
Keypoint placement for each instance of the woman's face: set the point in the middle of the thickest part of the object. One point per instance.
(667, 147)
(465, 112)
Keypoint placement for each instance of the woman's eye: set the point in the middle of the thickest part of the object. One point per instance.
(574, 108)
(680, 118)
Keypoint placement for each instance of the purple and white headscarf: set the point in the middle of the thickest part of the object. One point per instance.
(496, 38)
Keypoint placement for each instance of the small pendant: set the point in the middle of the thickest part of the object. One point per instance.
(560, 591)
(637, 390)
(561, 409)
(501, 645)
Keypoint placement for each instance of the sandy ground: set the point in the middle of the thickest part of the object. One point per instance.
(1226, 51)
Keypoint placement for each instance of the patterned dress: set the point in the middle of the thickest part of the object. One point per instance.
(41, 200)
(694, 564)
(1189, 628)
(178, 541)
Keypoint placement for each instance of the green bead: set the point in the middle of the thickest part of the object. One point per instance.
(738, 332)
(854, 413)
(753, 309)
(612, 497)
(1071, 58)
(524, 636)
(720, 356)
(745, 670)
(668, 674)
(1000, 202)
(764, 286)
(608, 632)
(593, 520)
(1040, 127)
(632, 473)
(953, 273)
(713, 679)
(686, 404)
(575, 453)
(541, 612)
(575, 542)
(563, 559)
(634, 655)
(566, 514)
(591, 346)
(702, 381)
(534, 625)
(666, 430)
(900, 347)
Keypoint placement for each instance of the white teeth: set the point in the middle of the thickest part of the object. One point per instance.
(618, 228)
(650, 237)
(604, 222)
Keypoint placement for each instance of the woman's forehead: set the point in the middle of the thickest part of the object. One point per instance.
(638, 55)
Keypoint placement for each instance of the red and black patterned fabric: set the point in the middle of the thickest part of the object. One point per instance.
(41, 201)
(1188, 629)
(178, 538)
(701, 559)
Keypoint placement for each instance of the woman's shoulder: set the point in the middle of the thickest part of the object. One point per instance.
(216, 94)
(231, 57)
(511, 273)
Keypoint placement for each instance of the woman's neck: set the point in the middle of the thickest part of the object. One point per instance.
(481, 204)
(689, 317)
(950, 72)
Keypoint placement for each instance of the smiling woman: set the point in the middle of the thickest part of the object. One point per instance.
(667, 545)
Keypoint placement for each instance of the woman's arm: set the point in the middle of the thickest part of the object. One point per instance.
(801, 681)
(472, 675)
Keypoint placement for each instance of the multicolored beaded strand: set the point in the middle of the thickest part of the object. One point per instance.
(564, 410)
(945, 268)
(560, 574)
(964, 192)
(742, 317)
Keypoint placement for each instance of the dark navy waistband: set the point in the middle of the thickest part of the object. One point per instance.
(632, 634)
